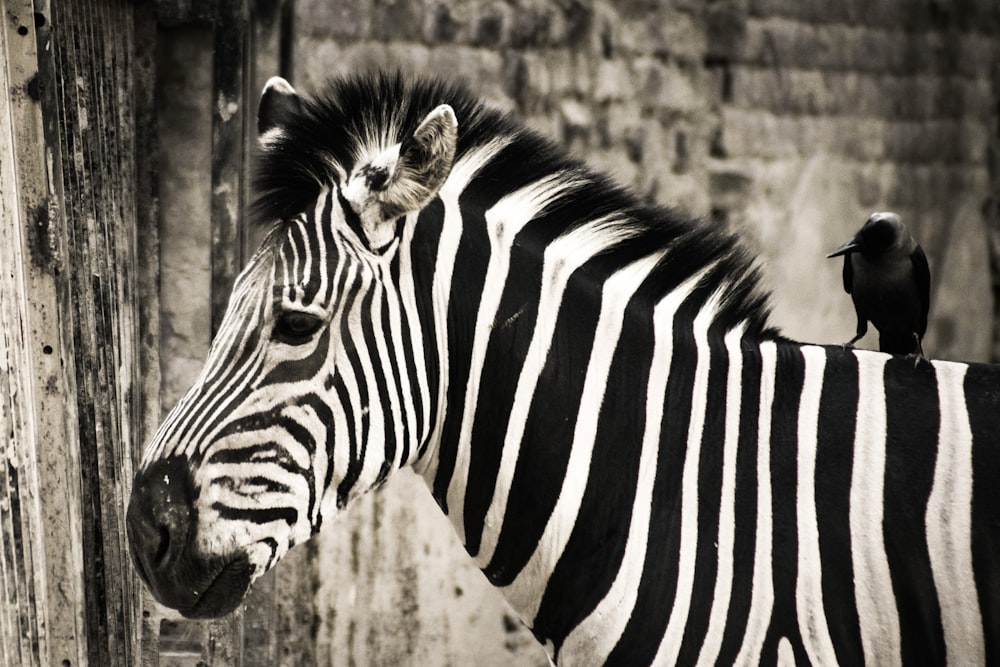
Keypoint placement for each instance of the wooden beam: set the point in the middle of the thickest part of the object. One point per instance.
(229, 150)
(93, 129)
(42, 613)
(68, 324)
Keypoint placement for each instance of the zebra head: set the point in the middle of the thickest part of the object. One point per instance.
(300, 406)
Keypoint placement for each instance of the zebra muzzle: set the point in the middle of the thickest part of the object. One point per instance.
(162, 523)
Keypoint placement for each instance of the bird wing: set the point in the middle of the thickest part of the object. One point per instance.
(922, 277)
(848, 273)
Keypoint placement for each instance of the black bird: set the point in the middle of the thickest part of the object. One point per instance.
(886, 274)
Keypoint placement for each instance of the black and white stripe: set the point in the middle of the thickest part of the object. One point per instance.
(646, 471)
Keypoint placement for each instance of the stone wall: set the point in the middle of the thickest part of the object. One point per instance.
(791, 121)
(624, 86)
(788, 120)
(829, 111)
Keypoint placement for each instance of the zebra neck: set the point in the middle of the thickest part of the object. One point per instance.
(544, 348)
(523, 407)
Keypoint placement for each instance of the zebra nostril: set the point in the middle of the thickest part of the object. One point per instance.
(163, 548)
(160, 516)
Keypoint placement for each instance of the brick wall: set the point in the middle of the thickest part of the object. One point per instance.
(829, 111)
(789, 120)
(622, 85)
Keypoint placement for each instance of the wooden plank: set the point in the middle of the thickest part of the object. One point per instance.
(184, 131)
(43, 620)
(147, 277)
(992, 214)
(270, 37)
(178, 12)
(192, 196)
(203, 132)
(277, 618)
(94, 131)
(19, 599)
(229, 118)
(69, 244)
(229, 131)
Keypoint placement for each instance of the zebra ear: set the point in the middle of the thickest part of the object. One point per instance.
(426, 157)
(404, 177)
(278, 103)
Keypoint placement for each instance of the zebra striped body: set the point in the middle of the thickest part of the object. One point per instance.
(646, 471)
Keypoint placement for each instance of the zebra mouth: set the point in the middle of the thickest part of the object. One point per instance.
(162, 523)
(224, 592)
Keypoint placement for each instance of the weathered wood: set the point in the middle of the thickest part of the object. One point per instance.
(230, 97)
(43, 607)
(68, 326)
(147, 277)
(92, 83)
(248, 44)
(208, 73)
(184, 129)
(79, 315)
(992, 215)
(279, 623)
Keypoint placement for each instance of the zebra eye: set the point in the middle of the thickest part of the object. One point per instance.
(295, 327)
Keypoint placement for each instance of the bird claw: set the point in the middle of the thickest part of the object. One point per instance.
(917, 356)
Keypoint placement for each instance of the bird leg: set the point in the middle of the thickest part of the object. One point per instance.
(917, 356)
(854, 340)
(862, 330)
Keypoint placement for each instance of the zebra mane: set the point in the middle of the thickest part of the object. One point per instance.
(356, 114)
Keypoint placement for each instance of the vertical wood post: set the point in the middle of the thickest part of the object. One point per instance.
(92, 84)
(42, 611)
(228, 104)
(231, 95)
(207, 183)
(992, 213)
(68, 355)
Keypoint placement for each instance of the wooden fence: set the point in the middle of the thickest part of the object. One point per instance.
(80, 296)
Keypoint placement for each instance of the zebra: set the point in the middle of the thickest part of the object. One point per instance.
(647, 470)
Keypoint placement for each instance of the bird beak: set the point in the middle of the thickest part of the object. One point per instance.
(850, 246)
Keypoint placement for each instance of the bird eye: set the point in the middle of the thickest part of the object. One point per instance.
(296, 327)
